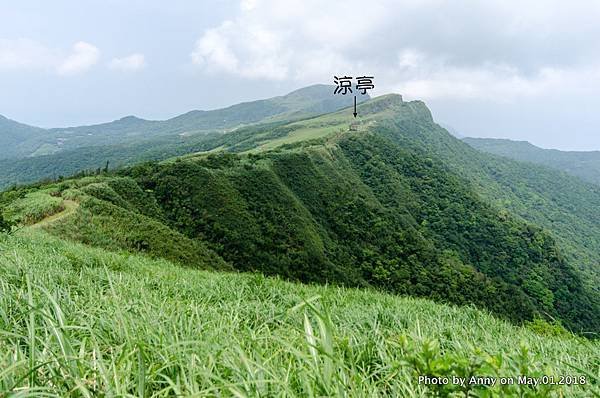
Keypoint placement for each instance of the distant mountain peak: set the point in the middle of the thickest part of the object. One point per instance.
(10, 123)
(4, 119)
(130, 118)
(21, 141)
(388, 100)
(395, 104)
(313, 91)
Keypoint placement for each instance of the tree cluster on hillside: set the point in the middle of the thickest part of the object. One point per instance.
(5, 225)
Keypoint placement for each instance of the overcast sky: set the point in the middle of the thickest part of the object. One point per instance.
(521, 70)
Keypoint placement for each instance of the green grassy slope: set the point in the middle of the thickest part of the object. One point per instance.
(77, 321)
(365, 212)
(585, 165)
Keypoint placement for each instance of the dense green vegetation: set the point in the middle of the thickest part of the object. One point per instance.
(585, 165)
(5, 225)
(91, 159)
(367, 213)
(127, 224)
(133, 140)
(357, 211)
(77, 321)
(566, 207)
(368, 208)
(396, 205)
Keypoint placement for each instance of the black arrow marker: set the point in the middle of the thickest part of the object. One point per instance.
(355, 107)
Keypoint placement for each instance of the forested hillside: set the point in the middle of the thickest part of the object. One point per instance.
(379, 207)
(585, 165)
(92, 158)
(566, 207)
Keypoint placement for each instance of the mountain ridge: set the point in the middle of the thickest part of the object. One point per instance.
(299, 103)
(581, 164)
(381, 200)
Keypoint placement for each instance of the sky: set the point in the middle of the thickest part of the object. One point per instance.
(495, 68)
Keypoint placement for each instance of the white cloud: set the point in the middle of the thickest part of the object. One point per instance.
(281, 40)
(426, 49)
(213, 51)
(248, 5)
(251, 51)
(83, 57)
(25, 54)
(28, 54)
(425, 76)
(131, 62)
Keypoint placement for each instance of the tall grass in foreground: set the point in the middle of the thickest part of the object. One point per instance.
(76, 321)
